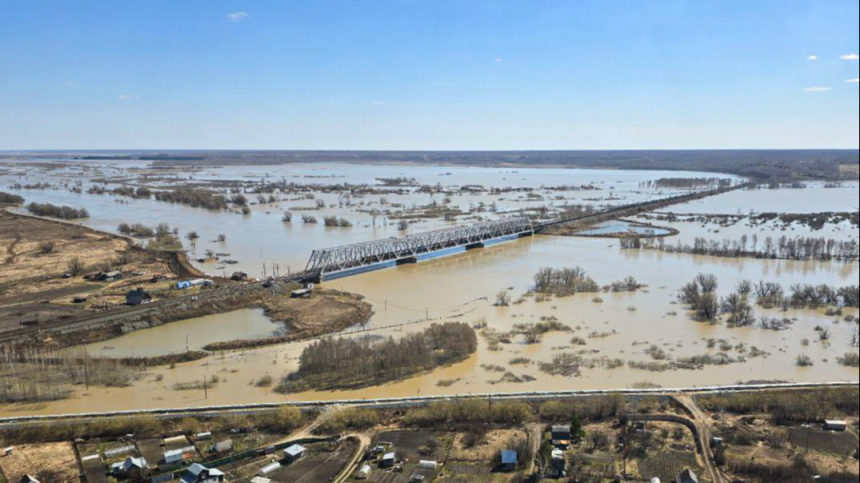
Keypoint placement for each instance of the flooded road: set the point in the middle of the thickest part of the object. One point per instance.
(463, 289)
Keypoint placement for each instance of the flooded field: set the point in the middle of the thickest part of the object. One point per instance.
(613, 331)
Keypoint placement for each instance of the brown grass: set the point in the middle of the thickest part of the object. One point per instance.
(55, 463)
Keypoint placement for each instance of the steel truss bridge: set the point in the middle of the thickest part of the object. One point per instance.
(411, 248)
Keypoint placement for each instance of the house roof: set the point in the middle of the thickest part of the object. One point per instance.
(390, 456)
(561, 430)
(294, 450)
(132, 463)
(689, 476)
(509, 457)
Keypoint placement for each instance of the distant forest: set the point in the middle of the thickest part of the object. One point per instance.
(763, 165)
(759, 165)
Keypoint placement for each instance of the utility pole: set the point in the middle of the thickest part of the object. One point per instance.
(205, 389)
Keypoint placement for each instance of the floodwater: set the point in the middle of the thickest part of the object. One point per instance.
(614, 228)
(191, 334)
(462, 288)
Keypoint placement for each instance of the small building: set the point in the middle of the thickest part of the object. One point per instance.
(204, 436)
(239, 277)
(303, 293)
(294, 453)
(509, 460)
(558, 464)
(562, 436)
(8, 451)
(838, 426)
(110, 276)
(269, 469)
(113, 453)
(717, 442)
(388, 460)
(428, 465)
(260, 479)
(364, 473)
(687, 476)
(138, 297)
(198, 473)
(417, 479)
(131, 468)
(655, 480)
(225, 446)
(29, 479)
(179, 455)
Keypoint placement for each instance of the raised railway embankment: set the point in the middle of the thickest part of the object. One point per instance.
(393, 403)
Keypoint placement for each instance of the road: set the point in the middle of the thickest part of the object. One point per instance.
(704, 429)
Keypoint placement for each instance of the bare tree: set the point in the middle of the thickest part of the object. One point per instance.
(503, 299)
(75, 266)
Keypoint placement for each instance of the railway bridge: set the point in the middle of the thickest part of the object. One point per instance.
(346, 261)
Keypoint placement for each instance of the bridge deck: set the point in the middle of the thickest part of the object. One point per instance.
(352, 259)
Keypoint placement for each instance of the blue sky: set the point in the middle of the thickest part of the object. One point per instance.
(428, 74)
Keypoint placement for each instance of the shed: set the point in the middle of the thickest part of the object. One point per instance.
(687, 476)
(178, 455)
(110, 276)
(559, 463)
(269, 469)
(509, 460)
(132, 468)
(302, 293)
(364, 473)
(138, 297)
(417, 479)
(294, 452)
(388, 460)
(223, 446)
(29, 479)
(204, 436)
(8, 451)
(834, 425)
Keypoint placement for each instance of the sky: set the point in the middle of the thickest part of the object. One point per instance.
(429, 74)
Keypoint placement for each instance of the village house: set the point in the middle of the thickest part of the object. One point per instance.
(198, 473)
(561, 437)
(138, 297)
(131, 469)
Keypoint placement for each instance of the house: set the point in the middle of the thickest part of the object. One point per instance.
(29, 479)
(509, 460)
(558, 464)
(138, 297)
(198, 473)
(364, 473)
(239, 277)
(131, 468)
(294, 453)
(225, 446)
(688, 477)
(838, 426)
(388, 460)
(562, 436)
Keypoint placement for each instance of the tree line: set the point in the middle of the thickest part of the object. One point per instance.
(60, 212)
(783, 248)
(10, 199)
(348, 363)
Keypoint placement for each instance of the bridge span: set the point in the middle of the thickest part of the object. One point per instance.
(346, 261)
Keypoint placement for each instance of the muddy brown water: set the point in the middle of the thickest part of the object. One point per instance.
(462, 288)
